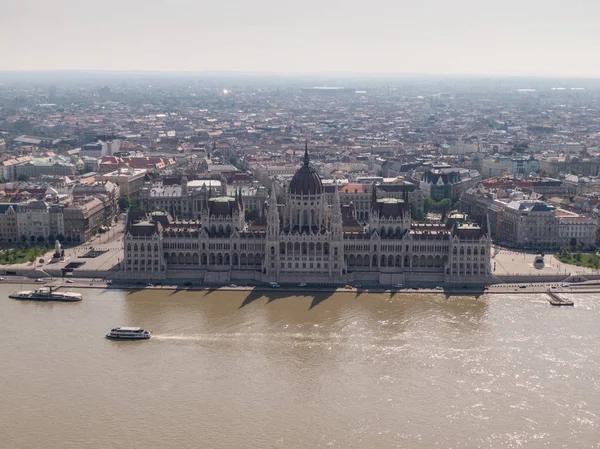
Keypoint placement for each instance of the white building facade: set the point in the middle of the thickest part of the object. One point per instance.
(306, 240)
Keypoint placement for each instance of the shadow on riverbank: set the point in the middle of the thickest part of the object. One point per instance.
(271, 296)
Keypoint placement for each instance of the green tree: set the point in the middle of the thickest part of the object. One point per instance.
(445, 204)
(124, 203)
(578, 257)
(23, 178)
(428, 204)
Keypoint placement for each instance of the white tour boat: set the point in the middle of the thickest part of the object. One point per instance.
(46, 294)
(128, 333)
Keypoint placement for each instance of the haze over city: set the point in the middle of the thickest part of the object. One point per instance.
(258, 224)
(531, 38)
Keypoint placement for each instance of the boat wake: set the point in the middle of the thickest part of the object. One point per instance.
(180, 337)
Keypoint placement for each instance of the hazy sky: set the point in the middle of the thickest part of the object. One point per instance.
(521, 37)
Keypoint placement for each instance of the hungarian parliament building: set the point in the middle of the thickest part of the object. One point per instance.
(308, 239)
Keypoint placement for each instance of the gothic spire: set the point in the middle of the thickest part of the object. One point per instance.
(373, 196)
(306, 160)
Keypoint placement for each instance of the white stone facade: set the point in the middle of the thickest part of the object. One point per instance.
(306, 240)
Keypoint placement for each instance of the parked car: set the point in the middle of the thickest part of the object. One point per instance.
(232, 285)
(399, 285)
(69, 281)
(38, 280)
(439, 288)
(109, 282)
(302, 284)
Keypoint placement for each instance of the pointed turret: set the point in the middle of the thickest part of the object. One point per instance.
(184, 185)
(273, 216)
(240, 199)
(336, 212)
(306, 159)
(374, 197)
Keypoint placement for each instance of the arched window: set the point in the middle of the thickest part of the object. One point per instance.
(326, 248)
(272, 250)
(281, 248)
(462, 250)
(304, 248)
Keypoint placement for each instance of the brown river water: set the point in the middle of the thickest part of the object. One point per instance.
(272, 370)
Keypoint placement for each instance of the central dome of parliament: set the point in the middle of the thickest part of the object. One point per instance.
(306, 181)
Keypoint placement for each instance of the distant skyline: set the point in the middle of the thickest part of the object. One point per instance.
(522, 38)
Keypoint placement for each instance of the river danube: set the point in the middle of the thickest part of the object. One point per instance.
(270, 370)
